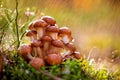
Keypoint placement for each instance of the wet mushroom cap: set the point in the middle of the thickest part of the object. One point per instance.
(31, 26)
(40, 23)
(36, 43)
(52, 29)
(71, 46)
(46, 38)
(37, 63)
(64, 30)
(52, 59)
(31, 32)
(58, 43)
(24, 49)
(50, 20)
(77, 55)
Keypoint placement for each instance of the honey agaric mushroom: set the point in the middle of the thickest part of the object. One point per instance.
(50, 20)
(31, 26)
(46, 43)
(52, 59)
(36, 45)
(32, 34)
(65, 34)
(37, 63)
(25, 51)
(56, 46)
(70, 48)
(52, 31)
(77, 55)
(40, 25)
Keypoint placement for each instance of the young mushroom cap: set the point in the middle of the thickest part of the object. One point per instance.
(77, 55)
(30, 33)
(25, 51)
(31, 26)
(37, 63)
(46, 38)
(53, 59)
(50, 20)
(57, 43)
(71, 47)
(65, 34)
(64, 30)
(53, 29)
(40, 23)
(36, 43)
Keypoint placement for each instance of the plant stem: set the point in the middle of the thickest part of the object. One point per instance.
(49, 75)
(16, 23)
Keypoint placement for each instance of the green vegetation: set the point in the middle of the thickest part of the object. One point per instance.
(68, 70)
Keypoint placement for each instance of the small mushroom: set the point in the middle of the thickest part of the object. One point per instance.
(46, 43)
(52, 31)
(37, 63)
(40, 25)
(70, 48)
(49, 20)
(37, 50)
(56, 46)
(31, 26)
(25, 51)
(65, 34)
(53, 59)
(77, 55)
(32, 34)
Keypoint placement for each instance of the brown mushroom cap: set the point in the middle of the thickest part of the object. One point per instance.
(37, 63)
(40, 23)
(52, 29)
(31, 26)
(36, 43)
(77, 55)
(46, 38)
(24, 50)
(64, 30)
(71, 46)
(58, 43)
(52, 59)
(31, 33)
(50, 20)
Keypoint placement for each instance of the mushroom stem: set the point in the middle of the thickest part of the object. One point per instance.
(37, 45)
(55, 50)
(54, 35)
(68, 52)
(30, 56)
(33, 38)
(65, 39)
(39, 52)
(40, 32)
(34, 51)
(70, 48)
(46, 47)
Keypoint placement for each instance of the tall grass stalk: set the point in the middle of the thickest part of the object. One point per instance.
(16, 23)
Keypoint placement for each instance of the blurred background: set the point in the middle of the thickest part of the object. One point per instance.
(95, 25)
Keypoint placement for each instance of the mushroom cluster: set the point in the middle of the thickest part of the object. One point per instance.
(49, 44)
